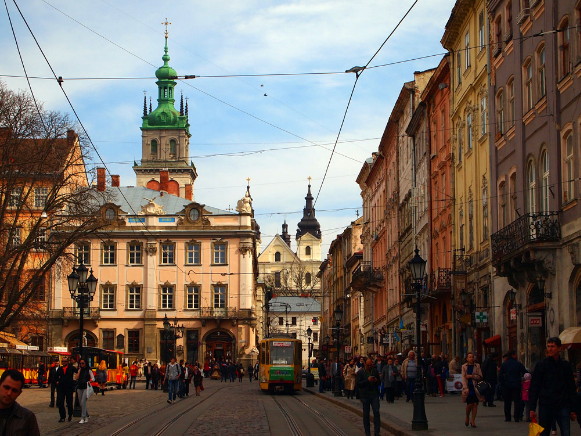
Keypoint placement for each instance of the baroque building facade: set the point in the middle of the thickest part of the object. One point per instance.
(162, 254)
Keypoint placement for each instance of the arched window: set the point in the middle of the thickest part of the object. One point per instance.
(469, 137)
(277, 256)
(564, 36)
(308, 279)
(173, 147)
(541, 71)
(545, 181)
(110, 214)
(532, 187)
(307, 250)
(510, 108)
(154, 147)
(569, 169)
(512, 197)
(483, 114)
(502, 221)
(460, 143)
(500, 111)
(528, 85)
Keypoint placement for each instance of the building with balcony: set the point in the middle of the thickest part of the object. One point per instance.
(162, 254)
(535, 75)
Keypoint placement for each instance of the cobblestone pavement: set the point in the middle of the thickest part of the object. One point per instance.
(223, 409)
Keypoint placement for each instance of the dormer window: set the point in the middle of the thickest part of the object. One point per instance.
(110, 214)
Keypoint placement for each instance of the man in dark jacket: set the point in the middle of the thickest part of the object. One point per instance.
(322, 376)
(15, 419)
(368, 383)
(553, 387)
(490, 374)
(510, 375)
(52, 382)
(65, 386)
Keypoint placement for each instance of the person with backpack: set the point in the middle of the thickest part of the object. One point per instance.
(172, 376)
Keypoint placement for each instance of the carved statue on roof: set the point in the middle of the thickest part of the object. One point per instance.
(151, 208)
(244, 205)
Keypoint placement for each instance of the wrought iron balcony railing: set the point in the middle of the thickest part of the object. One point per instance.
(528, 229)
(75, 312)
(441, 280)
(366, 277)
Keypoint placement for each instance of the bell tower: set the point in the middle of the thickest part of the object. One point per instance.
(165, 138)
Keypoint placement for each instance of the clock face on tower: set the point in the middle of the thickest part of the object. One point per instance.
(194, 214)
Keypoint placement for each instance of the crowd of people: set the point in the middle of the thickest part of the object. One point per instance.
(547, 394)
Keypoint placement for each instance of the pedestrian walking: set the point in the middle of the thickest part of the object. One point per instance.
(41, 374)
(409, 372)
(250, 371)
(15, 419)
(133, 373)
(350, 378)
(83, 376)
(471, 375)
(322, 376)
(490, 373)
(52, 382)
(368, 383)
(553, 388)
(172, 375)
(525, 387)
(155, 375)
(65, 388)
(388, 378)
(147, 373)
(101, 376)
(510, 376)
(198, 379)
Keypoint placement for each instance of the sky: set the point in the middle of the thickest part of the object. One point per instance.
(275, 128)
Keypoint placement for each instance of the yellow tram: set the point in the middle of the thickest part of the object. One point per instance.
(280, 361)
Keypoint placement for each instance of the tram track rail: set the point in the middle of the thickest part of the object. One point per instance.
(126, 429)
(293, 426)
(338, 431)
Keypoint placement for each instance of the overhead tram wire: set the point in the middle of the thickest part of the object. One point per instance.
(358, 71)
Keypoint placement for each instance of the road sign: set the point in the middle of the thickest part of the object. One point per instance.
(481, 317)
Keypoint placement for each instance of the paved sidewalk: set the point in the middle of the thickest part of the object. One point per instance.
(445, 416)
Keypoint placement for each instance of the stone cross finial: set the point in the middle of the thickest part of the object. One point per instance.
(248, 181)
(309, 178)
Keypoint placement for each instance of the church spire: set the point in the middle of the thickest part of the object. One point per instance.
(309, 223)
(285, 236)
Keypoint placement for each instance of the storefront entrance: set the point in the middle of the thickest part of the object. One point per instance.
(219, 345)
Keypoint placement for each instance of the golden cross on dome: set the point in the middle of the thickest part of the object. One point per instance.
(166, 23)
(248, 181)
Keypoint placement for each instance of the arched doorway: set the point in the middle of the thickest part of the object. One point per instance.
(511, 315)
(219, 345)
(72, 340)
(536, 325)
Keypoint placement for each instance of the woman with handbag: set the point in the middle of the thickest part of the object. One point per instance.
(471, 375)
(84, 376)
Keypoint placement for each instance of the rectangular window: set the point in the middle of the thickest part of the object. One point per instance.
(483, 114)
(109, 253)
(193, 253)
(134, 297)
(315, 337)
(459, 68)
(219, 296)
(167, 253)
(108, 339)
(481, 41)
(166, 297)
(108, 297)
(511, 105)
(83, 253)
(193, 297)
(15, 237)
(15, 197)
(133, 341)
(40, 239)
(135, 253)
(280, 320)
(219, 257)
(542, 73)
(38, 293)
(315, 320)
(40, 195)
(294, 320)
(469, 138)
(467, 50)
(528, 97)
(500, 112)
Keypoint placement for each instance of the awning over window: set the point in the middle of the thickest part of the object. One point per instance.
(571, 335)
(493, 341)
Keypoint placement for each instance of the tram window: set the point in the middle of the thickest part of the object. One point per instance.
(3, 363)
(281, 353)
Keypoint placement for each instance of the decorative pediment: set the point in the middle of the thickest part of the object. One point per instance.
(151, 208)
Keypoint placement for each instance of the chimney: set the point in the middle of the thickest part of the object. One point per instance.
(100, 179)
(163, 180)
(189, 192)
(115, 181)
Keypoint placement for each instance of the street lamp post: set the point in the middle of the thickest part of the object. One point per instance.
(420, 421)
(172, 332)
(310, 376)
(338, 313)
(82, 287)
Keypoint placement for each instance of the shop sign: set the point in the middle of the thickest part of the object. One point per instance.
(512, 314)
(535, 321)
(347, 349)
(481, 317)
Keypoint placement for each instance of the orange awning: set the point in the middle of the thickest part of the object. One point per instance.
(492, 341)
